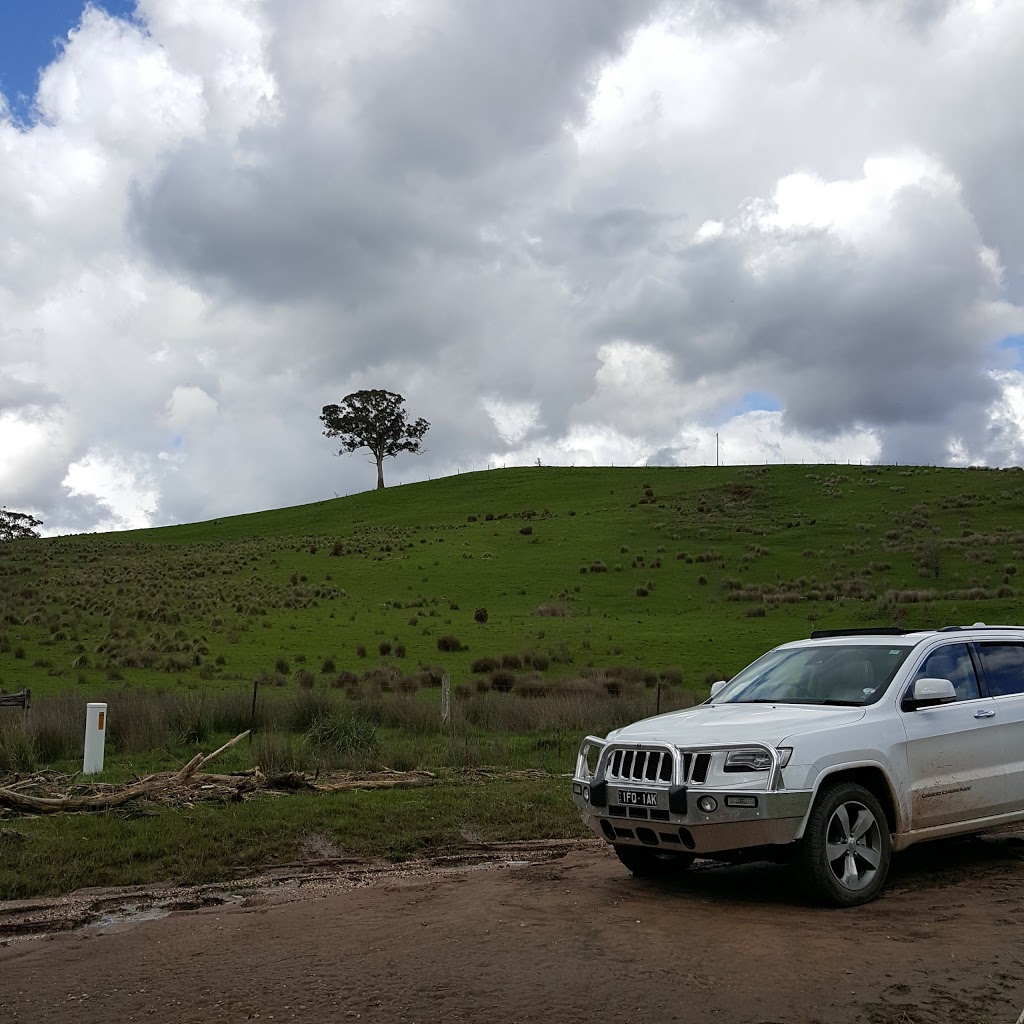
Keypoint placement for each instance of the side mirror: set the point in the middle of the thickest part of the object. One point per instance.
(928, 693)
(716, 688)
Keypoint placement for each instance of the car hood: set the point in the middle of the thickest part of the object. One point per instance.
(736, 723)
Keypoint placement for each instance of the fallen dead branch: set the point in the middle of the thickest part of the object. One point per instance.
(51, 793)
(176, 783)
(293, 781)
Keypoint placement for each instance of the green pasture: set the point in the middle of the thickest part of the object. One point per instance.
(697, 570)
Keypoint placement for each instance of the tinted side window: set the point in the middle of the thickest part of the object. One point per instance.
(952, 662)
(1004, 667)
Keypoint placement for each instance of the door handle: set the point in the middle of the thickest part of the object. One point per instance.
(988, 713)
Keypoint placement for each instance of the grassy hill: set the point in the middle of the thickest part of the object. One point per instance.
(607, 593)
(694, 570)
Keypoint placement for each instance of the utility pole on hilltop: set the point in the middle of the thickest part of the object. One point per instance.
(717, 463)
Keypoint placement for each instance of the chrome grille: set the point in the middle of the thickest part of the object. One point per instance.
(640, 766)
(700, 768)
(650, 766)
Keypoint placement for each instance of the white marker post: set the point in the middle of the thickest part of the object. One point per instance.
(95, 738)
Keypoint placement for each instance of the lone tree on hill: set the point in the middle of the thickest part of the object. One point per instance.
(17, 525)
(374, 420)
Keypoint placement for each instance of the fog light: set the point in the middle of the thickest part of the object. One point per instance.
(707, 804)
(741, 801)
(586, 793)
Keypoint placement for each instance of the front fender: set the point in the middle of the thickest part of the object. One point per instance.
(820, 775)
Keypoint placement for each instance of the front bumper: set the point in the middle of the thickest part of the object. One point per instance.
(672, 818)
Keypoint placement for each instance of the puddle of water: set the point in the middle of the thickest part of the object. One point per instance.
(131, 914)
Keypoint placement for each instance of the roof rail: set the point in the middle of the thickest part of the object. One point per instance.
(821, 634)
(976, 625)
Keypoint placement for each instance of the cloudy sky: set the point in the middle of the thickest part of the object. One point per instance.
(585, 231)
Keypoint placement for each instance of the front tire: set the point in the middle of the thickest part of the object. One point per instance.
(644, 863)
(846, 849)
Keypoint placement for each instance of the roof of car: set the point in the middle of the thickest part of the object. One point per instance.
(886, 635)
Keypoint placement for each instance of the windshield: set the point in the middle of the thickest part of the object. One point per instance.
(847, 675)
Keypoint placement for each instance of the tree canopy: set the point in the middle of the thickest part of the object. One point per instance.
(374, 420)
(17, 525)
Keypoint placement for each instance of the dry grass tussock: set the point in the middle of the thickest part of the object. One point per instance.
(322, 727)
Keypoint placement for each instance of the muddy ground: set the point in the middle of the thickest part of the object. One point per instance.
(567, 937)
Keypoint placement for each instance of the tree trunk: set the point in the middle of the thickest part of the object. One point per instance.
(380, 473)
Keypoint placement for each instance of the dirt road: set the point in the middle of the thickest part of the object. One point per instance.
(570, 939)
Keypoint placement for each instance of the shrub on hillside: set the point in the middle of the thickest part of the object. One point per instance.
(278, 752)
(485, 664)
(384, 648)
(399, 650)
(299, 712)
(502, 682)
(560, 654)
(534, 688)
(192, 722)
(17, 749)
(304, 678)
(344, 678)
(513, 661)
(480, 615)
(281, 665)
(450, 644)
(328, 666)
(361, 651)
(343, 733)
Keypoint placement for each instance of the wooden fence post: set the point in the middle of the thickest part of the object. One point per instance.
(446, 698)
(252, 713)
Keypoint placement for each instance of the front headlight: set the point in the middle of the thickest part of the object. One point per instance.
(754, 759)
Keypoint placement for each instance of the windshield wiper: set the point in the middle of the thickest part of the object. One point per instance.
(836, 703)
(765, 700)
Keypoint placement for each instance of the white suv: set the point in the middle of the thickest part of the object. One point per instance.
(836, 750)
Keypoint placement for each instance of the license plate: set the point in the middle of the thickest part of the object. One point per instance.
(637, 798)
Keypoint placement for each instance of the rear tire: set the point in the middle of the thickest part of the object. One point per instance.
(645, 863)
(845, 852)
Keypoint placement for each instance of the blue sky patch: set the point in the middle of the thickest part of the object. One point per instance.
(757, 400)
(1014, 343)
(31, 32)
